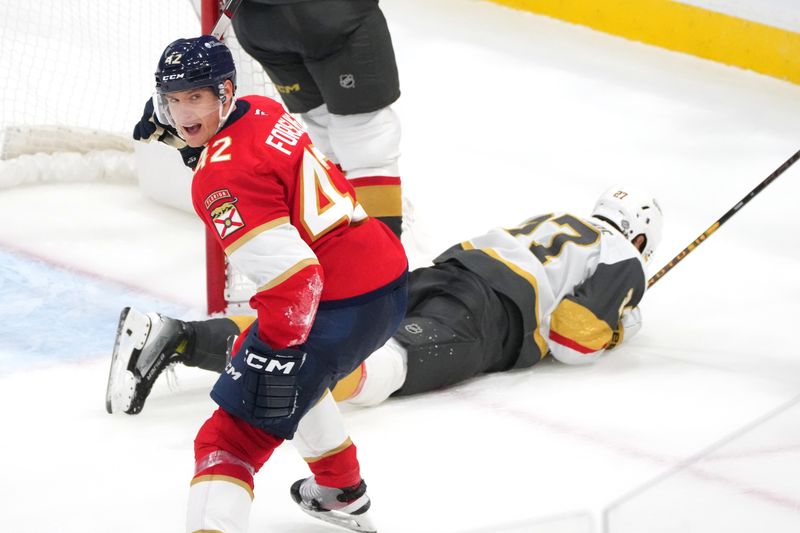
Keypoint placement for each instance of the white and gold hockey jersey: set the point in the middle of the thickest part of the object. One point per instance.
(575, 281)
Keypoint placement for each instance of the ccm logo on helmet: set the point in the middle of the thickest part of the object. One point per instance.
(173, 77)
(270, 365)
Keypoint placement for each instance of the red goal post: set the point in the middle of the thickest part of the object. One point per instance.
(216, 263)
(227, 290)
(76, 75)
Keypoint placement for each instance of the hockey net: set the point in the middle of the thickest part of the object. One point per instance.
(76, 75)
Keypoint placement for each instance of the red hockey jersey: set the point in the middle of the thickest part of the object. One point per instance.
(289, 220)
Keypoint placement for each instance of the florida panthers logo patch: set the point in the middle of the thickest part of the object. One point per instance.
(226, 218)
(216, 196)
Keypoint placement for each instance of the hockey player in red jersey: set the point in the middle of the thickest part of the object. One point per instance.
(331, 289)
(558, 284)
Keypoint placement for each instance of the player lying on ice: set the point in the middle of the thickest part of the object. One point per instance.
(320, 272)
(557, 284)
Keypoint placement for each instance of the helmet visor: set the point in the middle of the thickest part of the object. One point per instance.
(188, 111)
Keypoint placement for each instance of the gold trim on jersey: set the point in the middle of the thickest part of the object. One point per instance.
(577, 323)
(527, 276)
(258, 230)
(343, 446)
(288, 273)
(226, 479)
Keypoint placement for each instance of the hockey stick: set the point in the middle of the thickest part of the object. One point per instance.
(707, 233)
(225, 17)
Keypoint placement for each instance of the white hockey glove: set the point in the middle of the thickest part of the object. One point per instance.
(629, 325)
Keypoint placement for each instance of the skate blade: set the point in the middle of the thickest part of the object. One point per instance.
(361, 523)
(132, 332)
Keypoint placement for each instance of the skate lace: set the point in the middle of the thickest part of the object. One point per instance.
(310, 490)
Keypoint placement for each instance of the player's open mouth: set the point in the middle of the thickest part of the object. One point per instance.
(191, 129)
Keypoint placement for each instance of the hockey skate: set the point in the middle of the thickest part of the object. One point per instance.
(344, 507)
(146, 344)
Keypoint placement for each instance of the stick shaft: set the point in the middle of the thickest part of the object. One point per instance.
(724, 218)
(225, 17)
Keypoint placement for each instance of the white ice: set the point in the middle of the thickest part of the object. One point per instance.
(505, 115)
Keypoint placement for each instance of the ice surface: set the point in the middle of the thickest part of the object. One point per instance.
(505, 115)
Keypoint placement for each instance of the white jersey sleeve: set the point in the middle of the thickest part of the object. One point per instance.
(571, 278)
(587, 318)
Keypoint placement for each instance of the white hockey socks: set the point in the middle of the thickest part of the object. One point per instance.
(364, 144)
(321, 431)
(218, 503)
(385, 370)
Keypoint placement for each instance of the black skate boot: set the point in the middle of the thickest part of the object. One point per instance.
(146, 344)
(344, 507)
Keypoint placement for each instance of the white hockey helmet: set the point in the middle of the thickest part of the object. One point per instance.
(634, 213)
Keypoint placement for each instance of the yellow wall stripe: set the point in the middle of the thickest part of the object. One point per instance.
(683, 28)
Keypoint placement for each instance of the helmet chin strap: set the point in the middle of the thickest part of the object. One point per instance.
(609, 222)
(633, 237)
(223, 118)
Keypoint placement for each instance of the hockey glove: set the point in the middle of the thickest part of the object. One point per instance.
(269, 377)
(150, 128)
(629, 325)
(191, 155)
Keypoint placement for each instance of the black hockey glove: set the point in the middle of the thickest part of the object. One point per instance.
(150, 128)
(191, 155)
(269, 388)
(616, 338)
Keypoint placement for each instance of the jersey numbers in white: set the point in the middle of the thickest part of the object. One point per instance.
(219, 148)
(574, 230)
(219, 151)
(322, 205)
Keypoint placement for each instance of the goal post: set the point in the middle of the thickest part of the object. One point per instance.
(216, 262)
(76, 76)
(228, 290)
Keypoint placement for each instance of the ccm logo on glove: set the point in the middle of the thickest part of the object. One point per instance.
(269, 365)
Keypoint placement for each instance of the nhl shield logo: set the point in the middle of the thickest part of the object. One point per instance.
(226, 219)
(413, 328)
(347, 81)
